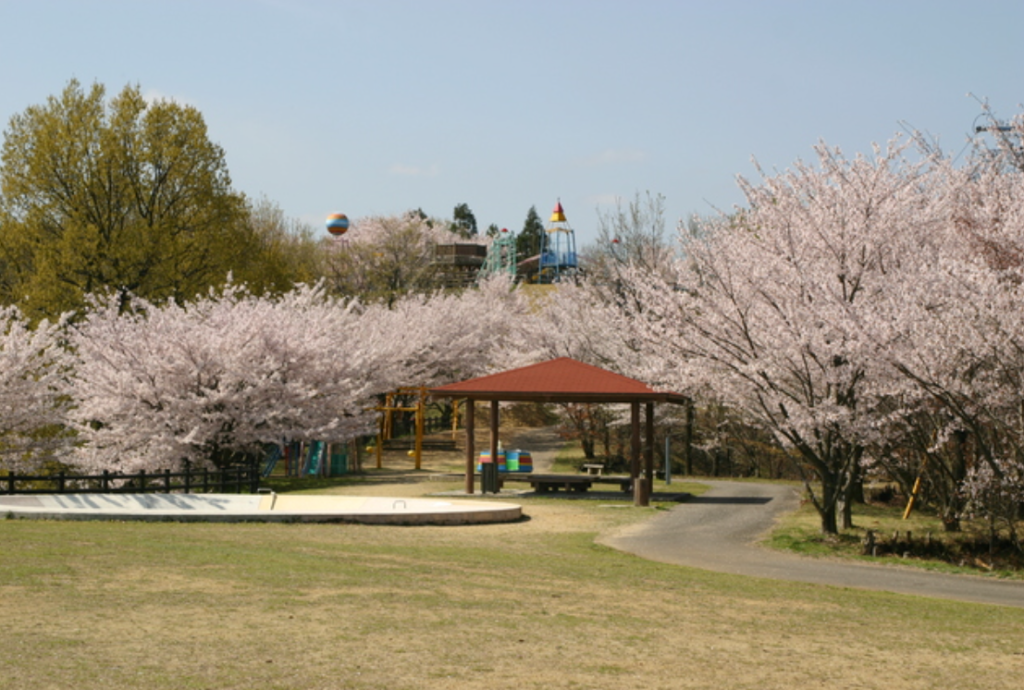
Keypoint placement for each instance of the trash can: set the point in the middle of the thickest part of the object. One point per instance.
(489, 478)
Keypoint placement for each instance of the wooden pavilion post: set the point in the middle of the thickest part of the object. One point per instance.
(494, 437)
(634, 454)
(470, 446)
(421, 405)
(649, 452)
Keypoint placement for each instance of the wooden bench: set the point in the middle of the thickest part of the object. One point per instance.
(593, 469)
(543, 483)
(625, 483)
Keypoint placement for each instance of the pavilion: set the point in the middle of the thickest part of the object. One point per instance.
(563, 380)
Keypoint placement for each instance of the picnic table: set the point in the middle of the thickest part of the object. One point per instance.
(543, 483)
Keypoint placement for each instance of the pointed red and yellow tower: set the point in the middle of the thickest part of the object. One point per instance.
(558, 260)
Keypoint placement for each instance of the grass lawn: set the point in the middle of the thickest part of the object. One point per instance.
(534, 604)
(800, 532)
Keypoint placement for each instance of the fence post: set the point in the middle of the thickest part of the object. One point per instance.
(167, 481)
(206, 481)
(142, 481)
(60, 482)
(188, 477)
(105, 481)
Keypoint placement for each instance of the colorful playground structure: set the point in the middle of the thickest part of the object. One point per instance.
(508, 461)
(310, 459)
(558, 259)
(323, 459)
(386, 428)
(501, 256)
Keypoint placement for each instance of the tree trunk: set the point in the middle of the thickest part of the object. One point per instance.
(688, 440)
(828, 519)
(857, 483)
(954, 502)
(846, 506)
(829, 503)
(846, 499)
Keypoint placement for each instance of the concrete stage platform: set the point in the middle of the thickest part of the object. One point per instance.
(263, 507)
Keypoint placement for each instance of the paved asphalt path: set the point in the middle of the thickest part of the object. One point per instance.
(717, 531)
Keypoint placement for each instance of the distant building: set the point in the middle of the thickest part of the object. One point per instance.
(458, 264)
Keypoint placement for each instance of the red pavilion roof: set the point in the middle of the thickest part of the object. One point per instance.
(557, 380)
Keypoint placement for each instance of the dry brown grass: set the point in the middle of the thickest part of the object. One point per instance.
(529, 605)
(535, 604)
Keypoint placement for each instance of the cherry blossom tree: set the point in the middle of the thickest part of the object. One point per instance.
(996, 492)
(214, 380)
(758, 316)
(447, 337)
(952, 327)
(33, 391)
(578, 320)
(451, 336)
(864, 309)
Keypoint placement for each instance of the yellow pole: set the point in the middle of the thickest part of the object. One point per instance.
(913, 497)
(418, 452)
(388, 420)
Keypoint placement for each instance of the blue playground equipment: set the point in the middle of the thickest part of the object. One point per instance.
(274, 454)
(558, 259)
(311, 459)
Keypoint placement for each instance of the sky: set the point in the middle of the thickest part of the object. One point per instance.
(376, 107)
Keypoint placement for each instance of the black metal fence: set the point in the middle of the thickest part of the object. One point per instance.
(230, 480)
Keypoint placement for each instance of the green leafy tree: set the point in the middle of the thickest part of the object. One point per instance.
(463, 221)
(122, 195)
(531, 239)
(286, 252)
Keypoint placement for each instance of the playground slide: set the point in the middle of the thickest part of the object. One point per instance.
(273, 455)
(314, 460)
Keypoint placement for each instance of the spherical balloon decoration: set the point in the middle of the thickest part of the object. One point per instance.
(337, 224)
